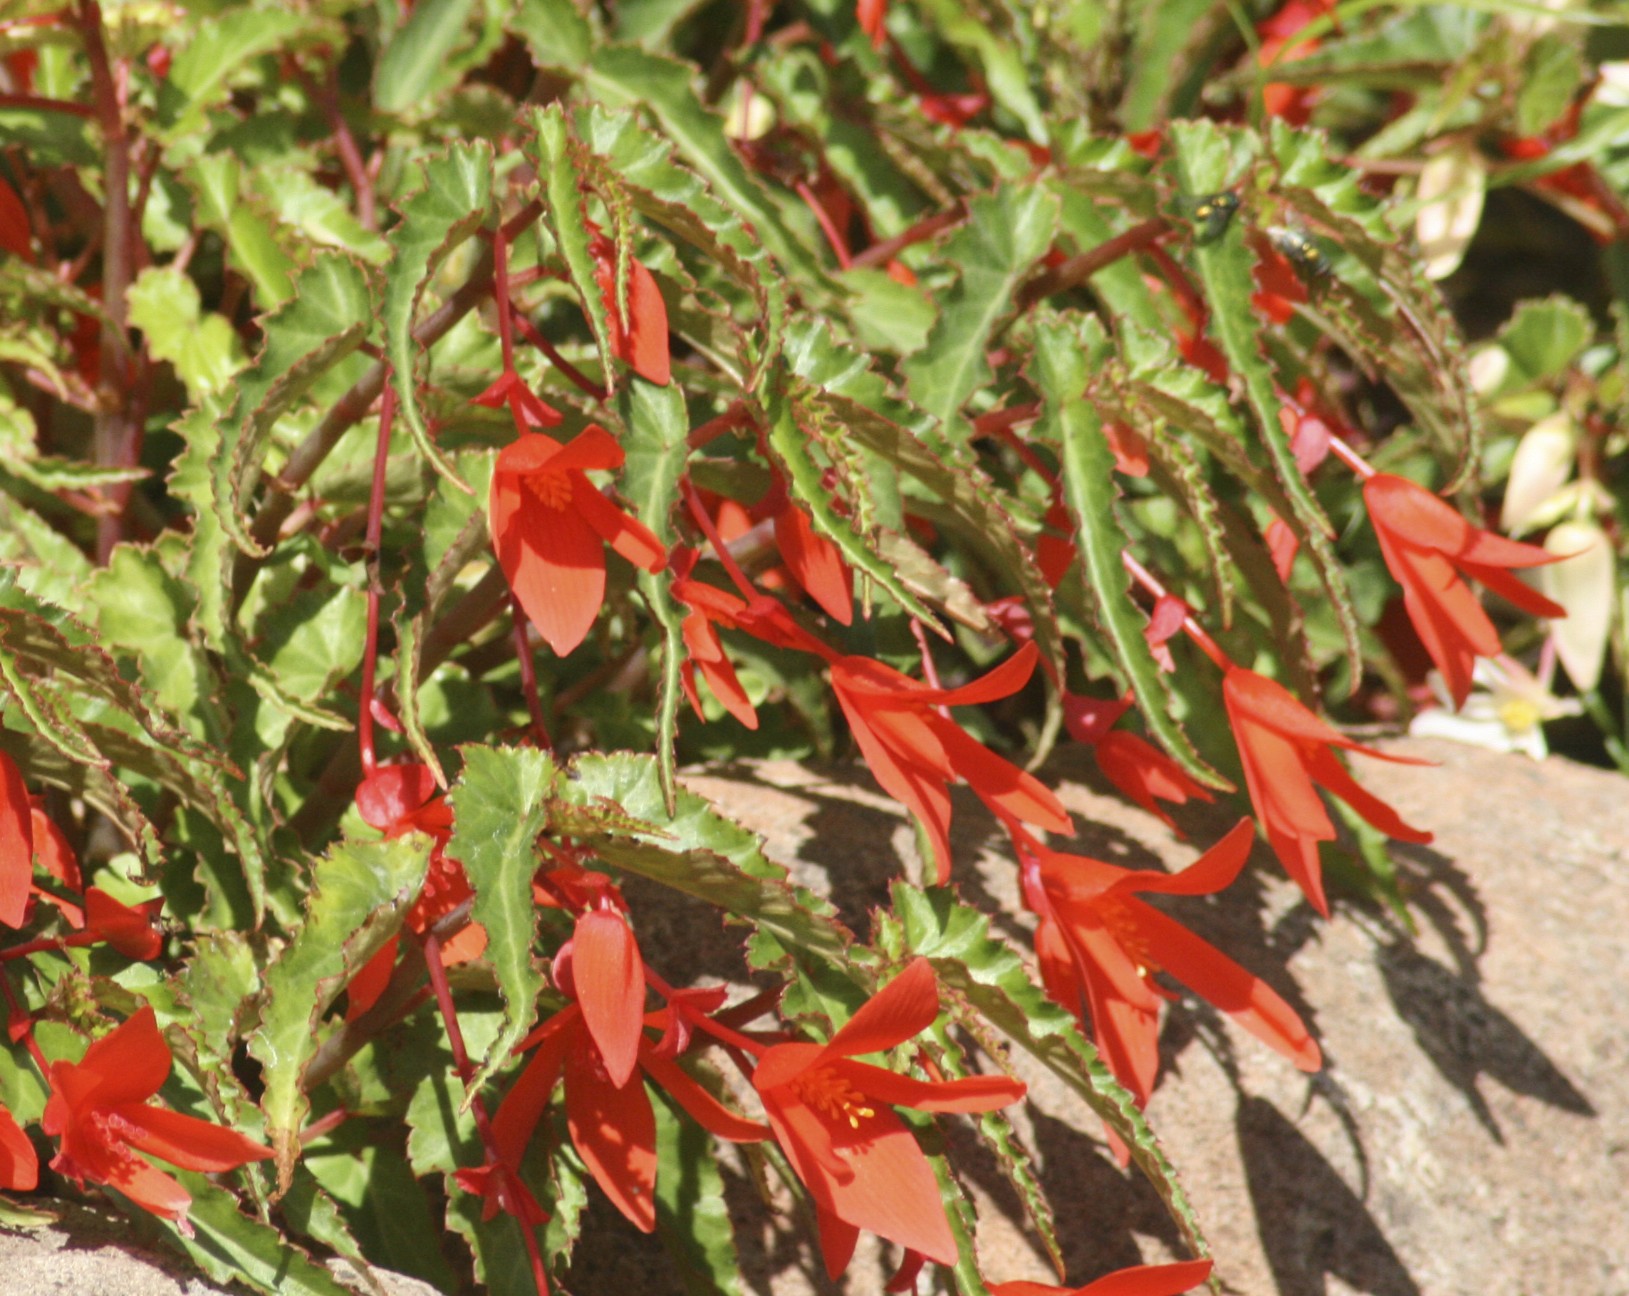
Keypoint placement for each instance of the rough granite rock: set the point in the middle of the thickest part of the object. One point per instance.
(1469, 1136)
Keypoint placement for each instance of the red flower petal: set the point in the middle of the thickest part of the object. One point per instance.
(640, 340)
(19, 1167)
(815, 563)
(126, 1065)
(902, 1009)
(392, 793)
(16, 844)
(614, 1130)
(187, 1141)
(128, 930)
(610, 982)
(970, 1094)
(712, 1115)
(554, 561)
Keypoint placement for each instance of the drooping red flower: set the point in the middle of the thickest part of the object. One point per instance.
(16, 844)
(19, 1167)
(1287, 753)
(831, 1114)
(915, 751)
(53, 853)
(814, 561)
(1135, 766)
(611, 1122)
(1428, 546)
(1099, 947)
(128, 929)
(396, 800)
(870, 14)
(526, 407)
(550, 525)
(639, 338)
(1280, 34)
(1140, 1280)
(98, 1107)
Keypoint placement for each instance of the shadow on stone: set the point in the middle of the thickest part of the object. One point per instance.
(1466, 1037)
(1312, 1226)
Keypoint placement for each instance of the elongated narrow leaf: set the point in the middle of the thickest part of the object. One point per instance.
(657, 426)
(328, 317)
(691, 1214)
(623, 74)
(448, 209)
(562, 180)
(1225, 272)
(1063, 364)
(359, 894)
(500, 805)
(414, 61)
(229, 1245)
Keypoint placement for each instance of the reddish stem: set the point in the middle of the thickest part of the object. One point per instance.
(1195, 631)
(1083, 265)
(500, 294)
(736, 416)
(574, 375)
(465, 1071)
(40, 103)
(834, 236)
(888, 249)
(528, 674)
(698, 510)
(376, 512)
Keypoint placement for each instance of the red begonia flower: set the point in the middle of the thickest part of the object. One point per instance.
(612, 1125)
(98, 1107)
(1099, 946)
(16, 844)
(1286, 753)
(53, 853)
(1428, 546)
(815, 562)
(915, 751)
(870, 15)
(399, 799)
(1140, 1280)
(639, 340)
(528, 409)
(19, 1167)
(1280, 34)
(550, 524)
(128, 930)
(1136, 767)
(830, 1113)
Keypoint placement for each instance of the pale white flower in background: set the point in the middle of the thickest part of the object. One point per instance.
(1505, 712)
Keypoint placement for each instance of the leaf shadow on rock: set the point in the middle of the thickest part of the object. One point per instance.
(1312, 1225)
(1466, 1037)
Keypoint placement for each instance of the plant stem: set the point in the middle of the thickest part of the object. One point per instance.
(1083, 265)
(466, 1071)
(376, 512)
(528, 673)
(1195, 631)
(116, 438)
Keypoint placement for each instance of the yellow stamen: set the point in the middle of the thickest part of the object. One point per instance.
(833, 1097)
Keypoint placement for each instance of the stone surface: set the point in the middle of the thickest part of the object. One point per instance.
(1469, 1137)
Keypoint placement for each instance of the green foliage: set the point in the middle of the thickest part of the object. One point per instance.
(966, 310)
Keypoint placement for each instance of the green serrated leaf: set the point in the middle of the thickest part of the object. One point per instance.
(1006, 233)
(414, 60)
(1063, 369)
(360, 892)
(328, 317)
(229, 1245)
(449, 208)
(691, 1214)
(164, 304)
(500, 805)
(1224, 268)
(202, 73)
(657, 425)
